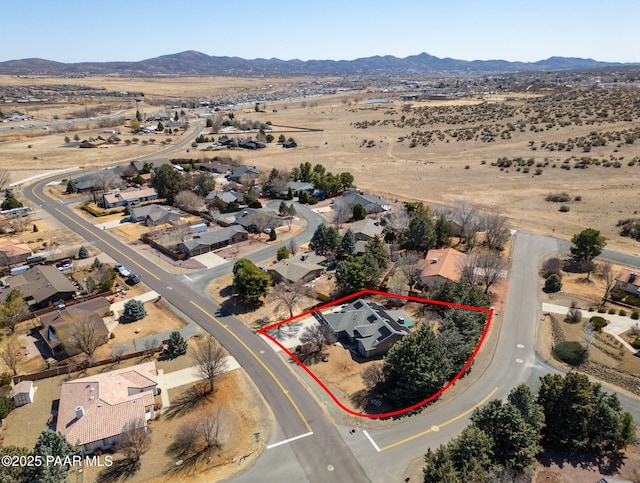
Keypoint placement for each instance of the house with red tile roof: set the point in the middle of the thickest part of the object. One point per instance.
(441, 265)
(94, 410)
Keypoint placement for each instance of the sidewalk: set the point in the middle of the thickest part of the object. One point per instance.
(617, 324)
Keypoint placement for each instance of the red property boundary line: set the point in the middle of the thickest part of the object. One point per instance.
(489, 312)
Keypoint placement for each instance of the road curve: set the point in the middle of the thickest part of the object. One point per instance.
(322, 456)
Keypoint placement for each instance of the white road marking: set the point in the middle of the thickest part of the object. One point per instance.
(371, 441)
(519, 361)
(520, 346)
(188, 278)
(269, 446)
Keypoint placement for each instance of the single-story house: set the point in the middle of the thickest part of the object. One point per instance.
(442, 264)
(629, 281)
(13, 251)
(94, 410)
(303, 268)
(289, 144)
(212, 240)
(40, 286)
(85, 183)
(253, 219)
(57, 323)
(297, 186)
(368, 325)
(240, 171)
(371, 203)
(93, 142)
(151, 163)
(223, 198)
(366, 230)
(22, 393)
(129, 197)
(215, 167)
(152, 215)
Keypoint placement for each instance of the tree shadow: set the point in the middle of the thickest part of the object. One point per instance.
(189, 400)
(189, 459)
(234, 306)
(607, 462)
(120, 470)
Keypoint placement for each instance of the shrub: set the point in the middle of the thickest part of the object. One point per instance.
(83, 253)
(282, 253)
(574, 315)
(133, 310)
(552, 284)
(636, 343)
(598, 322)
(622, 312)
(564, 208)
(612, 311)
(602, 310)
(558, 197)
(6, 406)
(590, 309)
(635, 315)
(273, 235)
(551, 266)
(570, 352)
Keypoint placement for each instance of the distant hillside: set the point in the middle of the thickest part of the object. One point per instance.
(197, 63)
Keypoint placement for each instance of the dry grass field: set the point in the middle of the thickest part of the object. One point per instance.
(441, 173)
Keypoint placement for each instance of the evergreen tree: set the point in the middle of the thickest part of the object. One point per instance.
(358, 212)
(53, 444)
(138, 116)
(249, 282)
(351, 275)
(325, 239)
(167, 182)
(176, 345)
(416, 367)
(443, 232)
(421, 235)
(375, 259)
(347, 244)
(71, 187)
(133, 310)
(282, 253)
(83, 253)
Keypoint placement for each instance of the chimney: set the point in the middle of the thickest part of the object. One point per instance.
(632, 277)
(79, 412)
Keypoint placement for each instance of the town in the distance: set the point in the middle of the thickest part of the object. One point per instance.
(345, 278)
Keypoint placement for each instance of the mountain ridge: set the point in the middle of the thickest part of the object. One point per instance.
(192, 62)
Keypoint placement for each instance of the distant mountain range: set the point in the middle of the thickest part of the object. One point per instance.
(191, 62)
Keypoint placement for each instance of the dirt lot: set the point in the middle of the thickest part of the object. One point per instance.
(436, 174)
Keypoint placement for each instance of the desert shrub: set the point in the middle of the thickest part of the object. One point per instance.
(551, 266)
(573, 316)
(577, 198)
(632, 300)
(564, 208)
(590, 309)
(6, 406)
(570, 352)
(622, 312)
(612, 311)
(602, 310)
(636, 343)
(552, 284)
(635, 315)
(630, 227)
(558, 197)
(598, 322)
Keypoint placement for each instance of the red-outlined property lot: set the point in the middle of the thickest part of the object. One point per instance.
(264, 331)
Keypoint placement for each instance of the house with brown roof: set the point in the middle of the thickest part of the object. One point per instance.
(12, 251)
(57, 324)
(442, 264)
(41, 286)
(94, 410)
(629, 281)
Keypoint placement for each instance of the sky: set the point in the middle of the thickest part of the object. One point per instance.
(513, 30)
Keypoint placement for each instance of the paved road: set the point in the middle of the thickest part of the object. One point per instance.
(320, 457)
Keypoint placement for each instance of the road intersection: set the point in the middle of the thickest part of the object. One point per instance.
(305, 444)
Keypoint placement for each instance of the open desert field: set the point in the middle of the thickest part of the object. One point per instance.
(576, 140)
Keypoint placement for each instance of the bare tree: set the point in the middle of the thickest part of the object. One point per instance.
(293, 246)
(608, 276)
(182, 230)
(210, 359)
(106, 179)
(588, 334)
(136, 439)
(82, 334)
(5, 179)
(373, 375)
(129, 172)
(317, 337)
(574, 315)
(397, 284)
(486, 266)
(188, 201)
(289, 297)
(341, 212)
(466, 216)
(210, 427)
(11, 354)
(410, 265)
(13, 310)
(496, 232)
